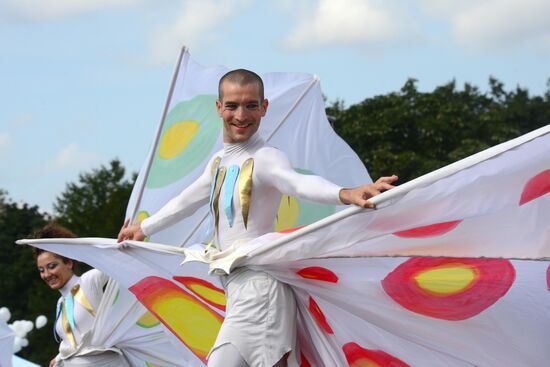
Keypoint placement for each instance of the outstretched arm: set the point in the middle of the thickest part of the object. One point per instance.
(185, 204)
(360, 195)
(315, 188)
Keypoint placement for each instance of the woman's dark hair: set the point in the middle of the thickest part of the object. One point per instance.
(53, 230)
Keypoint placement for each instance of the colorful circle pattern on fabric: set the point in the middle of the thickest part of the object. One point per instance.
(449, 288)
(296, 213)
(206, 291)
(148, 320)
(431, 230)
(191, 321)
(319, 316)
(189, 134)
(141, 216)
(358, 356)
(318, 273)
(536, 187)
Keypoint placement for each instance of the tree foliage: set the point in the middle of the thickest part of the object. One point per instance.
(23, 292)
(411, 133)
(96, 205)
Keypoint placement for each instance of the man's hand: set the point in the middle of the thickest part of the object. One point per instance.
(53, 362)
(360, 195)
(130, 232)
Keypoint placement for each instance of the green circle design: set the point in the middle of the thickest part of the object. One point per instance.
(201, 109)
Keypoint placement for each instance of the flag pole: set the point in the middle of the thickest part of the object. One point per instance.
(394, 194)
(157, 135)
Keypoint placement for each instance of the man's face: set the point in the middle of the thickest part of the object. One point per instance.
(241, 109)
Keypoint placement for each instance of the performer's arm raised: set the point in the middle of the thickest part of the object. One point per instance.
(315, 188)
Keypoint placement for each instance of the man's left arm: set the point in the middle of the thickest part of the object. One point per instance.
(315, 188)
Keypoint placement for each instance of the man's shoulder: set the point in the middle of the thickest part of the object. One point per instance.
(268, 151)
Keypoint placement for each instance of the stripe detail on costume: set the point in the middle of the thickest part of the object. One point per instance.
(228, 189)
(245, 188)
(81, 298)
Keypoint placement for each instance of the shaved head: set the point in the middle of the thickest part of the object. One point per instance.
(241, 77)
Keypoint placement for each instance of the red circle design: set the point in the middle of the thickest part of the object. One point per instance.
(431, 230)
(358, 356)
(493, 278)
(537, 186)
(319, 316)
(318, 273)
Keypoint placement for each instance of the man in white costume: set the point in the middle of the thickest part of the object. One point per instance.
(243, 185)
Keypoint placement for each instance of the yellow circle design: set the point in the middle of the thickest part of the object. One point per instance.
(194, 323)
(446, 280)
(289, 212)
(142, 215)
(148, 320)
(212, 295)
(177, 138)
(365, 363)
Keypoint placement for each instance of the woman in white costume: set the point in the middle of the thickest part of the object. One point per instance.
(76, 308)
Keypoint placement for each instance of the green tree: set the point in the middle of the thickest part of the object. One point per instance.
(23, 292)
(96, 205)
(411, 133)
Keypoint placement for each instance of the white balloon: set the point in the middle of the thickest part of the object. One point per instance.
(28, 325)
(19, 328)
(17, 344)
(24, 342)
(41, 321)
(5, 314)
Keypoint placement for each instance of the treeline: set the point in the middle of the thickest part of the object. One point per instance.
(411, 133)
(408, 133)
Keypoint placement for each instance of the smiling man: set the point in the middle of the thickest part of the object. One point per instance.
(243, 185)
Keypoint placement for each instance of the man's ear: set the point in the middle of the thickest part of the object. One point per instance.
(219, 107)
(265, 104)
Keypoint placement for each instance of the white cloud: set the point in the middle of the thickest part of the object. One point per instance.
(71, 156)
(197, 24)
(495, 23)
(56, 9)
(349, 22)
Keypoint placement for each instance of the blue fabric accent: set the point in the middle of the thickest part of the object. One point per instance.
(69, 307)
(57, 314)
(228, 189)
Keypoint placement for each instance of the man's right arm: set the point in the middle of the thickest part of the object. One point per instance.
(185, 204)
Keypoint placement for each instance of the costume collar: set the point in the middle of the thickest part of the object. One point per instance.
(236, 148)
(66, 289)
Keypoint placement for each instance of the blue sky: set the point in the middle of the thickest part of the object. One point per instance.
(83, 82)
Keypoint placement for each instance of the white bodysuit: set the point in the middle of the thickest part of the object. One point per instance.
(74, 349)
(261, 313)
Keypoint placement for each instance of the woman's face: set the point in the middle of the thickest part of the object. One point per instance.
(53, 270)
